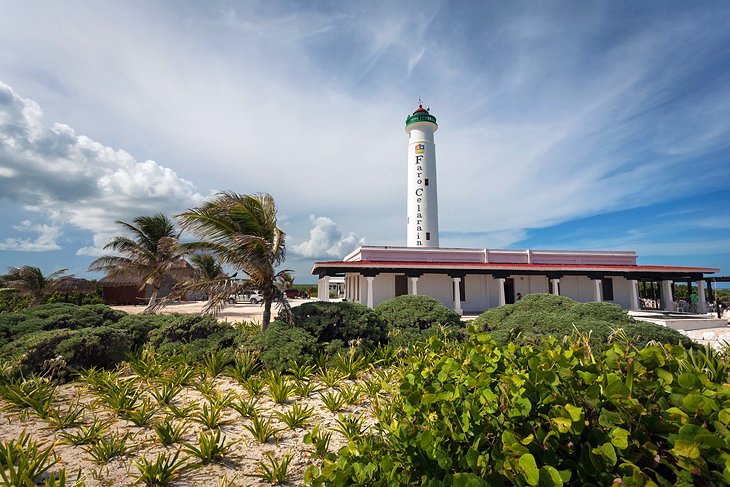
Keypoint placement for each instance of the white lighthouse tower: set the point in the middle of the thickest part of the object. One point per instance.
(423, 213)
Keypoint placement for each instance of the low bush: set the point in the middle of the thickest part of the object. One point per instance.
(283, 347)
(420, 312)
(537, 316)
(74, 297)
(343, 321)
(60, 352)
(55, 317)
(479, 414)
(11, 301)
(190, 335)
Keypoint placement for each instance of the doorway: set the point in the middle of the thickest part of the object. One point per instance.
(509, 291)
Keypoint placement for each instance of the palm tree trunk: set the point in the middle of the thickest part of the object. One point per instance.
(153, 300)
(266, 318)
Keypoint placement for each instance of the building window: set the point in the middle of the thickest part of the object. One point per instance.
(426, 181)
(607, 285)
(428, 235)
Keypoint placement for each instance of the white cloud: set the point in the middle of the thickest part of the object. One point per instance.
(326, 240)
(45, 241)
(72, 179)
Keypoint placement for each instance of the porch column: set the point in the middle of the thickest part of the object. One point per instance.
(414, 285)
(323, 289)
(701, 299)
(370, 291)
(667, 297)
(634, 295)
(500, 290)
(457, 295)
(597, 295)
(556, 286)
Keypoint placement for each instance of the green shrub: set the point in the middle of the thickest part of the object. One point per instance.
(53, 317)
(75, 297)
(537, 316)
(191, 335)
(11, 301)
(283, 347)
(344, 321)
(479, 414)
(420, 312)
(59, 352)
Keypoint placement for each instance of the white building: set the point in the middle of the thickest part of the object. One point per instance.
(474, 280)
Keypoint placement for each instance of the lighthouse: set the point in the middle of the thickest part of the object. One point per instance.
(423, 214)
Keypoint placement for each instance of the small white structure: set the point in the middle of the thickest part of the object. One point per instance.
(473, 280)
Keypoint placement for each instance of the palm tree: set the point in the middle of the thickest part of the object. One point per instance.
(241, 231)
(150, 255)
(30, 281)
(207, 267)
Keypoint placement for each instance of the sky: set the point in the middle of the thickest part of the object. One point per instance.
(562, 125)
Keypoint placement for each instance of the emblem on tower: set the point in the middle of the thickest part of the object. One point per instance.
(422, 203)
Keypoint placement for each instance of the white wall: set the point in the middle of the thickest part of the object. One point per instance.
(482, 291)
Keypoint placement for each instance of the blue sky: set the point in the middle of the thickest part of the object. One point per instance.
(562, 125)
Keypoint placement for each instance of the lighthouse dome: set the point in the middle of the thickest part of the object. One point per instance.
(420, 115)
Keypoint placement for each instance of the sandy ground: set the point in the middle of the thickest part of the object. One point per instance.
(233, 313)
(240, 460)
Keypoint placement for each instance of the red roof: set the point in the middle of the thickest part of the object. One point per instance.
(489, 266)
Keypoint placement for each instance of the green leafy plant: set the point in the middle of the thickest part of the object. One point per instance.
(253, 385)
(559, 412)
(211, 415)
(215, 362)
(706, 361)
(333, 401)
(349, 426)
(331, 376)
(183, 411)
(261, 429)
(245, 364)
(320, 440)
(349, 364)
(61, 479)
(142, 414)
(159, 472)
(297, 416)
(148, 364)
(35, 393)
(23, 461)
(108, 447)
(165, 391)
(272, 469)
(120, 395)
(350, 394)
(206, 387)
(247, 408)
(211, 447)
(182, 374)
(280, 388)
(168, 432)
(68, 417)
(303, 372)
(84, 434)
(305, 388)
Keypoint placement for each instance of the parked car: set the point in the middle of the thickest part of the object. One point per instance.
(253, 297)
(292, 293)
